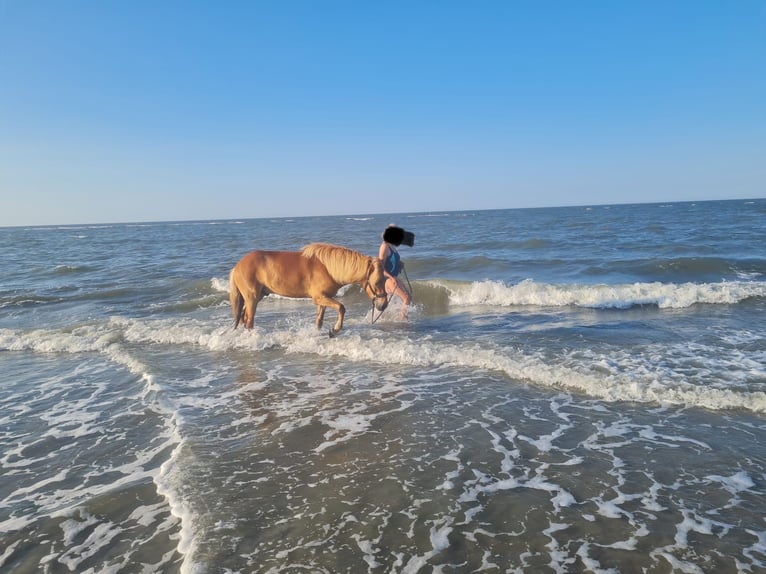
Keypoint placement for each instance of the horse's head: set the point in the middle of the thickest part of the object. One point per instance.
(375, 285)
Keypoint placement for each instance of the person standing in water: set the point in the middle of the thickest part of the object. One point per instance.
(393, 237)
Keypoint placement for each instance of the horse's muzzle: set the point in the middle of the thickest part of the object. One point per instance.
(380, 302)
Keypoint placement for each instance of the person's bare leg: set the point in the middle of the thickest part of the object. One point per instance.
(394, 287)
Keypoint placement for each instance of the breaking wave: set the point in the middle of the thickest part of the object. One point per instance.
(634, 379)
(622, 296)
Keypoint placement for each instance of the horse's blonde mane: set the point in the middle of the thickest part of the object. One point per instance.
(343, 264)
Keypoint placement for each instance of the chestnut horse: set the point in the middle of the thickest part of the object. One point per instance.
(317, 271)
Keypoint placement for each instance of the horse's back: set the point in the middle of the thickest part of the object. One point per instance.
(262, 259)
(286, 273)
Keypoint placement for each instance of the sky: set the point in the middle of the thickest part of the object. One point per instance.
(115, 111)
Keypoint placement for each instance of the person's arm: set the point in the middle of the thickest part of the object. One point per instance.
(383, 254)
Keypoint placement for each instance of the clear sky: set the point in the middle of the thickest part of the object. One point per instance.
(147, 110)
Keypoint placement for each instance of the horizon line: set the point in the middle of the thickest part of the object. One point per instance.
(231, 220)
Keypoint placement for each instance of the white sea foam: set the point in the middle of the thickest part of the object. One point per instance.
(538, 370)
(600, 296)
(734, 484)
(630, 381)
(115, 338)
(439, 538)
(100, 534)
(168, 477)
(75, 419)
(81, 340)
(60, 494)
(623, 296)
(167, 484)
(219, 284)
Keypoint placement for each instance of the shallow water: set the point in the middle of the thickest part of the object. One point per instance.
(576, 389)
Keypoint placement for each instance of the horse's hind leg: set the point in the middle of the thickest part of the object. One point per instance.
(237, 307)
(236, 299)
(251, 304)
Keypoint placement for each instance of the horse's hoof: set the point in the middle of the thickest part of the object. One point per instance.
(332, 333)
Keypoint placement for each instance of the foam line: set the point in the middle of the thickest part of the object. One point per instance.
(621, 296)
(571, 373)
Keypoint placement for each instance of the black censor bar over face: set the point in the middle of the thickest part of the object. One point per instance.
(398, 236)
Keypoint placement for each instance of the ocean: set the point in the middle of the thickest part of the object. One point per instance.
(577, 389)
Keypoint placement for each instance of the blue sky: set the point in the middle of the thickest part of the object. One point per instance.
(142, 111)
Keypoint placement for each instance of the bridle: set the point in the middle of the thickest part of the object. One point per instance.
(376, 296)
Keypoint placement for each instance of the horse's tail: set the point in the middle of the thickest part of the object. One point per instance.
(236, 299)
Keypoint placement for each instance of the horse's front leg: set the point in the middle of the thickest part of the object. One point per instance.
(339, 323)
(323, 302)
(320, 315)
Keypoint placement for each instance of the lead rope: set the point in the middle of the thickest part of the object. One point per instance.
(409, 291)
(373, 318)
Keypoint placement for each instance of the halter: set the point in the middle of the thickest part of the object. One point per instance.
(375, 294)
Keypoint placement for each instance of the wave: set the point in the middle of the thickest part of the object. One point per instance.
(438, 295)
(26, 300)
(601, 296)
(219, 284)
(71, 269)
(438, 292)
(107, 339)
(632, 380)
(621, 296)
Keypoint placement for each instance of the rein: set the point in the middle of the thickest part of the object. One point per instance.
(409, 291)
(372, 302)
(373, 318)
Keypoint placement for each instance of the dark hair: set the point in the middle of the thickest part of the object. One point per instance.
(396, 236)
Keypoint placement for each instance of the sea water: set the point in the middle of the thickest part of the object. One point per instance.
(578, 389)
